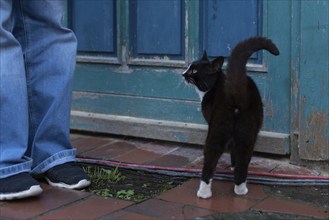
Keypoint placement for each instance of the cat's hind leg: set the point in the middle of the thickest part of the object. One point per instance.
(243, 155)
(212, 152)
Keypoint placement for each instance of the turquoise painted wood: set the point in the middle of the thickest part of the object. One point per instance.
(130, 67)
(277, 21)
(314, 81)
(139, 107)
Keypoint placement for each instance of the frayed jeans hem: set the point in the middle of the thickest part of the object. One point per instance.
(57, 159)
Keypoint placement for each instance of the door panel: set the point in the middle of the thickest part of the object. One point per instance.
(225, 23)
(88, 19)
(157, 27)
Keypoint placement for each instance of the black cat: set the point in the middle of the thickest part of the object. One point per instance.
(233, 109)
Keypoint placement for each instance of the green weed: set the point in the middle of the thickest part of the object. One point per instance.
(99, 175)
(125, 194)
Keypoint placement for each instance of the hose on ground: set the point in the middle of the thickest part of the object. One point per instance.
(262, 178)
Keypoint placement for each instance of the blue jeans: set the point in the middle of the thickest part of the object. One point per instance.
(37, 60)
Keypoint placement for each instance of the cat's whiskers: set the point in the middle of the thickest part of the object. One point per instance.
(180, 83)
(191, 81)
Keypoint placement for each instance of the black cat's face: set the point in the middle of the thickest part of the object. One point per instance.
(204, 73)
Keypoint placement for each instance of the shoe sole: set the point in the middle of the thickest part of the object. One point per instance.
(80, 185)
(33, 191)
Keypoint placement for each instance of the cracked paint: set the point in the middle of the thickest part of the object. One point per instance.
(316, 139)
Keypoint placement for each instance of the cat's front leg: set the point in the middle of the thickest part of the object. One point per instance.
(204, 191)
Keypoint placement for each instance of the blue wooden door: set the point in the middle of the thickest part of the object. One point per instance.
(131, 55)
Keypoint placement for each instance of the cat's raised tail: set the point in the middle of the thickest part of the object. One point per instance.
(236, 67)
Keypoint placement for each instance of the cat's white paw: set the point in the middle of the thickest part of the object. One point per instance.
(204, 191)
(241, 189)
(232, 168)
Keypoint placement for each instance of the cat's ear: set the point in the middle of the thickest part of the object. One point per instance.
(218, 63)
(205, 56)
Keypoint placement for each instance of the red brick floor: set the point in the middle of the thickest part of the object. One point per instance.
(178, 203)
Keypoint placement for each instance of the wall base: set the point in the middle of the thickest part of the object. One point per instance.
(268, 142)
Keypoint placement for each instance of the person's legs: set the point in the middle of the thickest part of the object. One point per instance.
(50, 56)
(15, 180)
(37, 65)
(13, 99)
(49, 52)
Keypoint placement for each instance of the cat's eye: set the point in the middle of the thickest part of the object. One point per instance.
(194, 71)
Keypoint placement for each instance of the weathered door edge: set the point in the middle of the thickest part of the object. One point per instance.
(309, 109)
(268, 142)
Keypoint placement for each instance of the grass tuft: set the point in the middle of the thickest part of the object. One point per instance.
(100, 175)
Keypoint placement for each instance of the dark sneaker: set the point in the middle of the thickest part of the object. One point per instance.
(67, 176)
(19, 186)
